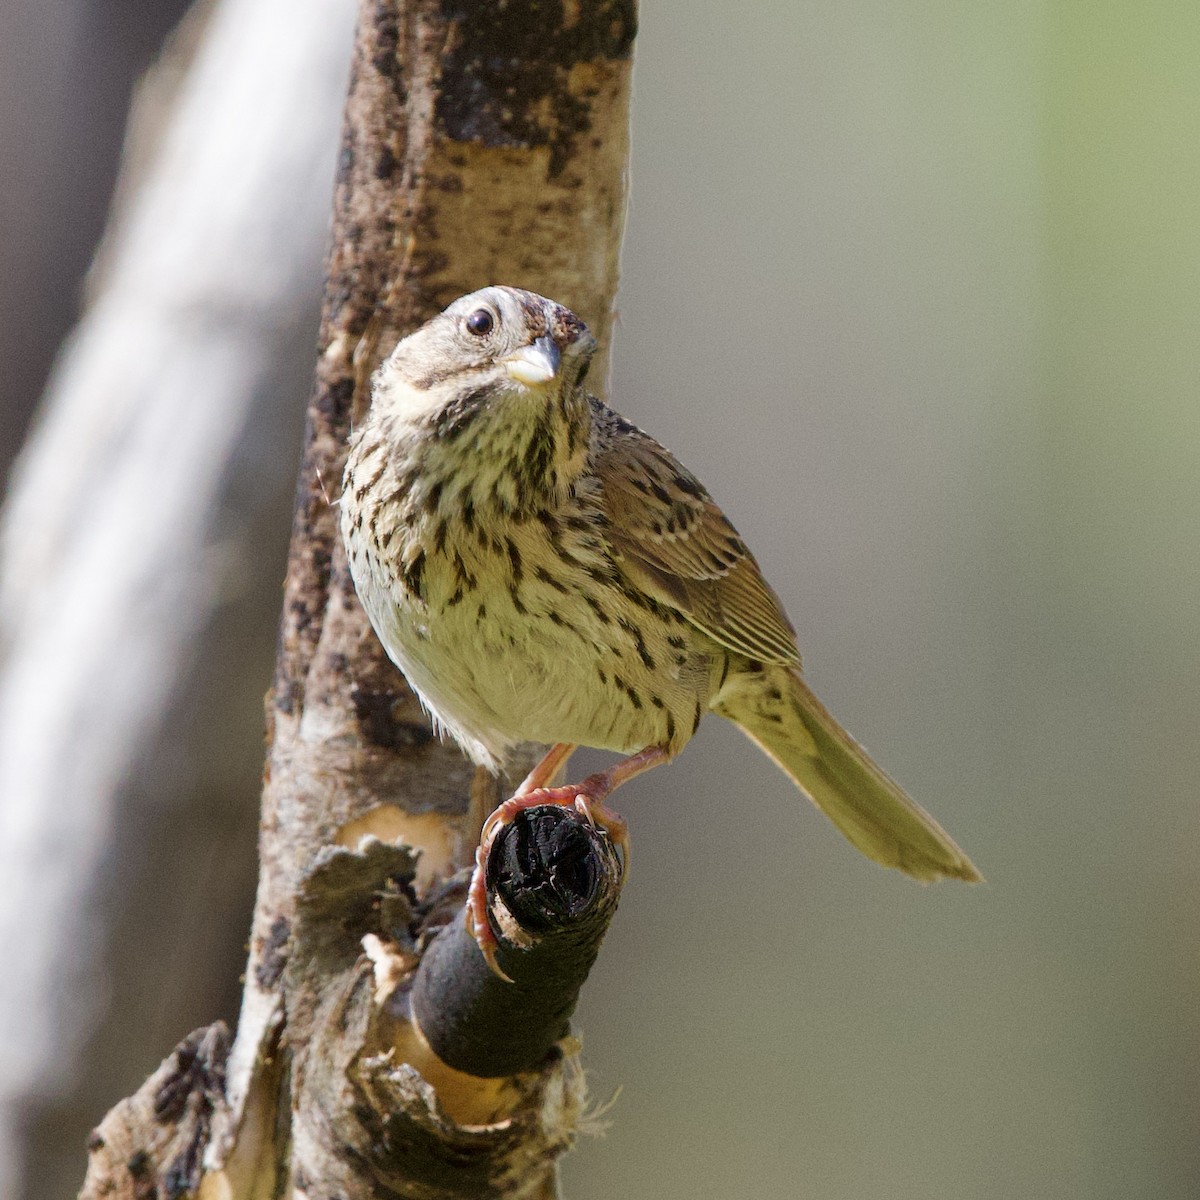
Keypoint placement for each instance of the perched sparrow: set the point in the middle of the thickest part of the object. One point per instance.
(542, 570)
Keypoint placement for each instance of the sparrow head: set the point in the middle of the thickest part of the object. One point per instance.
(497, 345)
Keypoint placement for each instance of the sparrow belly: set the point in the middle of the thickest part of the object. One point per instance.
(503, 654)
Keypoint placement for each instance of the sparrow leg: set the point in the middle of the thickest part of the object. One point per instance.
(587, 798)
(555, 759)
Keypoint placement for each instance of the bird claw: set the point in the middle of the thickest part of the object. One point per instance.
(478, 925)
(585, 801)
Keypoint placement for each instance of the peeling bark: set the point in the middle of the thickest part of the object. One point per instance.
(152, 1145)
(481, 144)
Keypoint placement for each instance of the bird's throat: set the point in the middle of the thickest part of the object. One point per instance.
(512, 454)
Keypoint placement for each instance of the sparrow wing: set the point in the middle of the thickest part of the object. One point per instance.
(675, 543)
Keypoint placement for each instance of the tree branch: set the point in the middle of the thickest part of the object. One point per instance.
(481, 144)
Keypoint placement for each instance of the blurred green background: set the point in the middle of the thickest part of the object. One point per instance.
(915, 289)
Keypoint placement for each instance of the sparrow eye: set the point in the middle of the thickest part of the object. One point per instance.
(480, 322)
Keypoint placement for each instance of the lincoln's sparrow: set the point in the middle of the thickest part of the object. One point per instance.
(542, 570)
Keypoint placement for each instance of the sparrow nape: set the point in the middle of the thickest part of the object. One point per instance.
(541, 570)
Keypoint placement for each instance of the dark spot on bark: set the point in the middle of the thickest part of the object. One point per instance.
(183, 1171)
(505, 77)
(429, 262)
(381, 723)
(387, 41)
(345, 159)
(335, 398)
(285, 694)
(385, 163)
(274, 954)
(171, 1098)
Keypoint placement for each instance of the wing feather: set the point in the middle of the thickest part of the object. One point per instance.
(676, 544)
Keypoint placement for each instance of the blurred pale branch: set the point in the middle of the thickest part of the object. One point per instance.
(142, 552)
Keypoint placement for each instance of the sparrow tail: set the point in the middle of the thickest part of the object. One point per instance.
(776, 709)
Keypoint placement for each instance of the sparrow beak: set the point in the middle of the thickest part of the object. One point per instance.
(535, 364)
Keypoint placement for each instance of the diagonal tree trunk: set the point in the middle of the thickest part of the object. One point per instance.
(481, 143)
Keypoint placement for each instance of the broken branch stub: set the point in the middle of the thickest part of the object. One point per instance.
(553, 884)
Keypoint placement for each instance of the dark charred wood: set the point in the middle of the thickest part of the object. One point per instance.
(553, 884)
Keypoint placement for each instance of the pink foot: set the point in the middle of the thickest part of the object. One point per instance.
(586, 798)
(477, 913)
